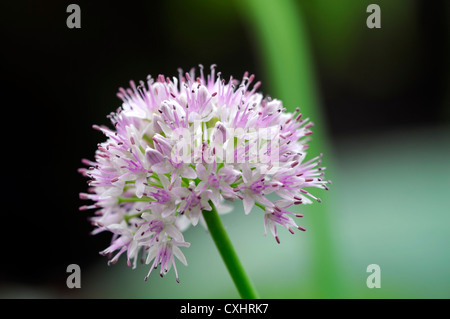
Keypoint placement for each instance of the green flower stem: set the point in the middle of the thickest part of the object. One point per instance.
(229, 256)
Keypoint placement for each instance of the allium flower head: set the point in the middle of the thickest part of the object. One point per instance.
(178, 147)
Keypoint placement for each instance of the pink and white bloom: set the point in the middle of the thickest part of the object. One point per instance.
(179, 146)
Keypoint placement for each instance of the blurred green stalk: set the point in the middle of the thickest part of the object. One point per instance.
(283, 45)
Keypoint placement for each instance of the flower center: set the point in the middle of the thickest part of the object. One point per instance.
(213, 181)
(162, 196)
(257, 187)
(156, 226)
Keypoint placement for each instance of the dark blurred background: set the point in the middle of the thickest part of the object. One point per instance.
(57, 82)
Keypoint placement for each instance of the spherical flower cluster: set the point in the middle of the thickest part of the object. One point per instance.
(182, 146)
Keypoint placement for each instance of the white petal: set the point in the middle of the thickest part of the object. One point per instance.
(114, 191)
(202, 95)
(206, 205)
(142, 233)
(180, 191)
(153, 156)
(246, 173)
(117, 228)
(188, 172)
(168, 211)
(147, 216)
(179, 254)
(249, 202)
(132, 249)
(223, 208)
(165, 128)
(182, 222)
(164, 180)
(215, 197)
(229, 173)
(133, 112)
(152, 252)
(174, 232)
(283, 202)
(162, 168)
(201, 171)
(194, 216)
(140, 187)
(200, 186)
